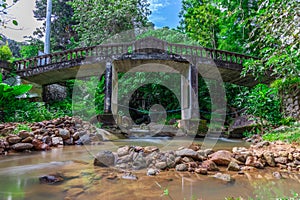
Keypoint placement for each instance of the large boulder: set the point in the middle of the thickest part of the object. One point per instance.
(14, 139)
(221, 157)
(210, 165)
(64, 133)
(22, 146)
(188, 153)
(104, 159)
(240, 125)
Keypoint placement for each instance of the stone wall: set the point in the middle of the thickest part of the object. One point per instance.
(291, 102)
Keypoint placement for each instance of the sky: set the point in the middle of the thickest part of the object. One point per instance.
(164, 13)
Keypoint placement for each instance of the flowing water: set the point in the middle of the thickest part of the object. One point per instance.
(19, 177)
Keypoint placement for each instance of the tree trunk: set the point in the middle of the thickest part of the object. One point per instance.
(48, 27)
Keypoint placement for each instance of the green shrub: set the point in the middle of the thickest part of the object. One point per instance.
(5, 53)
(262, 102)
(22, 127)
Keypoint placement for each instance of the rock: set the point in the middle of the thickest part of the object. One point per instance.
(22, 146)
(240, 125)
(129, 176)
(277, 175)
(161, 165)
(24, 134)
(64, 133)
(233, 166)
(57, 141)
(221, 157)
(69, 141)
(39, 145)
(104, 159)
(269, 158)
(262, 144)
(208, 152)
(296, 155)
(252, 161)
(27, 140)
(139, 162)
(76, 135)
(171, 162)
(187, 153)
(83, 140)
(14, 139)
(150, 149)
(281, 160)
(210, 165)
(224, 177)
(187, 159)
(51, 179)
(122, 151)
(181, 167)
(240, 157)
(152, 172)
(201, 170)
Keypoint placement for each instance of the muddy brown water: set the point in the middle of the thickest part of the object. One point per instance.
(19, 175)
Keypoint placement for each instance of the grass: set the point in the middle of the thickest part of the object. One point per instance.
(288, 134)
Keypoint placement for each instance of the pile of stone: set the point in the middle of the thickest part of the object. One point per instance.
(47, 134)
(204, 162)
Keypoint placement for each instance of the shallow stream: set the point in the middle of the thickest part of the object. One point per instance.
(19, 177)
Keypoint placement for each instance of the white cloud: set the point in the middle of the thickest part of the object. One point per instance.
(155, 5)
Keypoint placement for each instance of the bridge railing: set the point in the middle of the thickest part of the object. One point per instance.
(109, 50)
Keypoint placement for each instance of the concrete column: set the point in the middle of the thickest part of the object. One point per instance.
(114, 97)
(185, 109)
(108, 88)
(193, 91)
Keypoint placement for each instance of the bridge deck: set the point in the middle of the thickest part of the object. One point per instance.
(61, 66)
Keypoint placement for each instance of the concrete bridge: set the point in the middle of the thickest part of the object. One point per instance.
(187, 60)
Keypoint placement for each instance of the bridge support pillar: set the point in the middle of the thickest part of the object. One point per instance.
(189, 99)
(108, 88)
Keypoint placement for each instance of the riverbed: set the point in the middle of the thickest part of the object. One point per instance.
(20, 172)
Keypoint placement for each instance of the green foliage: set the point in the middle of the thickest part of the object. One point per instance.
(200, 21)
(21, 127)
(63, 35)
(281, 84)
(262, 102)
(5, 53)
(275, 39)
(97, 20)
(288, 134)
(88, 97)
(169, 35)
(60, 108)
(25, 111)
(29, 51)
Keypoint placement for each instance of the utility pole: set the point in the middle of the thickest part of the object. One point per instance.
(48, 27)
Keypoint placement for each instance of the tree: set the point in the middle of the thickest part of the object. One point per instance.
(48, 27)
(62, 32)
(275, 39)
(200, 21)
(5, 53)
(100, 19)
